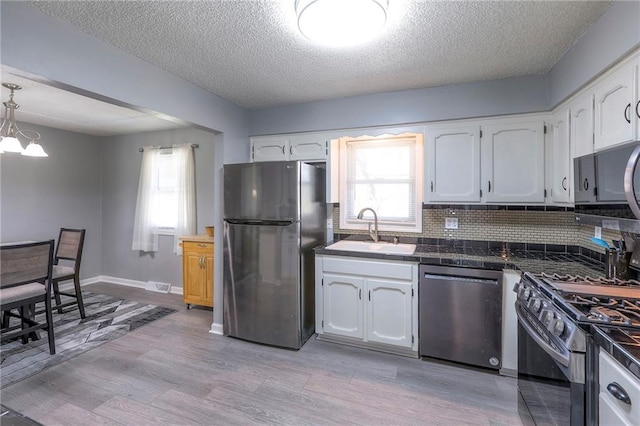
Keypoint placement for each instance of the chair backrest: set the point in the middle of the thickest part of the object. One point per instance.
(70, 243)
(26, 263)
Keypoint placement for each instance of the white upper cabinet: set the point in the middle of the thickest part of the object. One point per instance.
(513, 162)
(614, 108)
(582, 125)
(311, 147)
(269, 148)
(561, 177)
(636, 99)
(452, 161)
(308, 147)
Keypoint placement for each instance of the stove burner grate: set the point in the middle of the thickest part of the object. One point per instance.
(607, 315)
(566, 278)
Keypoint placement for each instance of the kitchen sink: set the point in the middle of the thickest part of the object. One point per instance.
(373, 247)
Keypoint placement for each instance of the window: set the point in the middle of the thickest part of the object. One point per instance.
(385, 174)
(166, 197)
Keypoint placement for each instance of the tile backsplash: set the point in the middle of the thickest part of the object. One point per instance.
(547, 227)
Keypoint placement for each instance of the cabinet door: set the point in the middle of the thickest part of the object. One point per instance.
(561, 180)
(513, 162)
(389, 312)
(270, 149)
(608, 414)
(636, 100)
(611, 409)
(343, 305)
(453, 164)
(208, 289)
(308, 148)
(193, 289)
(614, 109)
(582, 126)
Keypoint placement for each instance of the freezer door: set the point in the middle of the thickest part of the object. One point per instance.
(262, 191)
(262, 294)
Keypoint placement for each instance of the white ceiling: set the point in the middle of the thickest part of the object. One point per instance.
(251, 52)
(46, 105)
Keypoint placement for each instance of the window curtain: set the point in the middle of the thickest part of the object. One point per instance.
(186, 188)
(144, 236)
(145, 228)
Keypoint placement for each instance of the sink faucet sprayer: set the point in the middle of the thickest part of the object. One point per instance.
(374, 233)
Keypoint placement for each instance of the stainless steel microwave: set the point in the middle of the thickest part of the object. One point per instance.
(607, 188)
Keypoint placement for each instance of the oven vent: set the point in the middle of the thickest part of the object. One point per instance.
(158, 286)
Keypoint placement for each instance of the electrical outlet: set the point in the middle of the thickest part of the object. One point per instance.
(598, 232)
(450, 223)
(329, 223)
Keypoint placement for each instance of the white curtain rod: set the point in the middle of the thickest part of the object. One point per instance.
(193, 145)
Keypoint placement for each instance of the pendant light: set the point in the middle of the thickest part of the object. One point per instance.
(341, 22)
(9, 130)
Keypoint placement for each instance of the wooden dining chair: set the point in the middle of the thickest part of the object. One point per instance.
(25, 279)
(68, 250)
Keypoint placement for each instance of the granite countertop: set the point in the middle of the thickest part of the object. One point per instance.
(488, 258)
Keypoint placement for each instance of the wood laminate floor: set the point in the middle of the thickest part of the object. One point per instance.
(173, 371)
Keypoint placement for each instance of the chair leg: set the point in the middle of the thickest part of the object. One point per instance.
(76, 283)
(5, 319)
(24, 312)
(49, 316)
(56, 294)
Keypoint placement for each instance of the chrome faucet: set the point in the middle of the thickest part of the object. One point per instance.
(374, 233)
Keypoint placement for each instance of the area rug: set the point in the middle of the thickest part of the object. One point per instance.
(107, 318)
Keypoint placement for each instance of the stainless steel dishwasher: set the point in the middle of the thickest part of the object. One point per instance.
(461, 315)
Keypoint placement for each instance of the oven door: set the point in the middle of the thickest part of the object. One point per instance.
(544, 371)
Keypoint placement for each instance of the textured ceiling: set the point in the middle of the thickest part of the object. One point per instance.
(251, 53)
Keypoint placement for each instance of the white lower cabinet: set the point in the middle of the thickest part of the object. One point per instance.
(389, 312)
(614, 379)
(342, 297)
(364, 302)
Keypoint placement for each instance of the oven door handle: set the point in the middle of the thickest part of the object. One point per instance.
(559, 357)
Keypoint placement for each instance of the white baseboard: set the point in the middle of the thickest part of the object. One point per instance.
(216, 328)
(123, 281)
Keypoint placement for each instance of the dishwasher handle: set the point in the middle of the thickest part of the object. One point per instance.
(471, 280)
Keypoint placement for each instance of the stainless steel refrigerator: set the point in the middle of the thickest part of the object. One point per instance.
(274, 215)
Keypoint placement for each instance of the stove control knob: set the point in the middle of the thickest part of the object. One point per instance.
(527, 293)
(558, 328)
(537, 304)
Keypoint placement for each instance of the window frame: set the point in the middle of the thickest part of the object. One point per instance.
(348, 223)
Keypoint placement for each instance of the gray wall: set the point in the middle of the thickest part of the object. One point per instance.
(121, 172)
(49, 48)
(38, 196)
(485, 98)
(616, 33)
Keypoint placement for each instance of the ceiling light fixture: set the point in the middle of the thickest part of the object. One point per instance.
(9, 130)
(341, 22)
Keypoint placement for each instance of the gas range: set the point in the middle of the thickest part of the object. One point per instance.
(585, 300)
(560, 308)
(555, 354)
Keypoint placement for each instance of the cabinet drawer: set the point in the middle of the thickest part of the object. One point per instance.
(197, 246)
(611, 371)
(372, 268)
